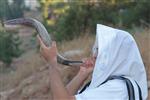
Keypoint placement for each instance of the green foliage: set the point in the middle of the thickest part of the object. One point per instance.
(11, 10)
(82, 17)
(4, 9)
(16, 9)
(9, 42)
(9, 47)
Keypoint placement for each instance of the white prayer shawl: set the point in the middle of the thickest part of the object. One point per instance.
(118, 54)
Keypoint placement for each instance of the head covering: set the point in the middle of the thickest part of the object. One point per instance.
(118, 54)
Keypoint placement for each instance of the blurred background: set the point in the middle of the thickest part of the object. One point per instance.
(72, 23)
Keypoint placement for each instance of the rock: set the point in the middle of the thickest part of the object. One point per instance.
(72, 53)
(6, 94)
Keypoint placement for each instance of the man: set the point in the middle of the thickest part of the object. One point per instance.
(115, 54)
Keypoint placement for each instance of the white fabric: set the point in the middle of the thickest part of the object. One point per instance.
(118, 54)
(106, 92)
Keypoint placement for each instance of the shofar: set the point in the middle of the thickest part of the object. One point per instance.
(43, 34)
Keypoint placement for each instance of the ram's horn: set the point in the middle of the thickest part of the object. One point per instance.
(41, 30)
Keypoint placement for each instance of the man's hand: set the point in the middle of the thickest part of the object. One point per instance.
(59, 92)
(88, 65)
(85, 70)
(49, 53)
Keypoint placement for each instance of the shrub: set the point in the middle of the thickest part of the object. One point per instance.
(9, 47)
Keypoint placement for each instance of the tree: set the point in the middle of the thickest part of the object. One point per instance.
(4, 10)
(11, 10)
(9, 42)
(16, 9)
(81, 16)
(9, 47)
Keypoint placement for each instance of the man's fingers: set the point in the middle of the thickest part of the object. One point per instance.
(39, 39)
(87, 62)
(54, 43)
(41, 42)
(84, 60)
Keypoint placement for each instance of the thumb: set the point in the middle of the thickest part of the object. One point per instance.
(54, 43)
(41, 42)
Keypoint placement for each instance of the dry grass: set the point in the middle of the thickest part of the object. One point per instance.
(83, 43)
(143, 41)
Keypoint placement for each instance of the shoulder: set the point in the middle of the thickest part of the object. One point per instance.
(113, 89)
